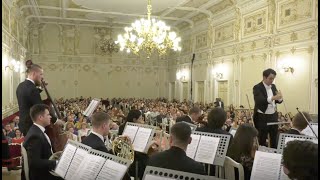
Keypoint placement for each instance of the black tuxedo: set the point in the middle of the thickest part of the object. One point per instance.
(260, 119)
(95, 142)
(39, 152)
(27, 95)
(176, 159)
(185, 119)
(218, 105)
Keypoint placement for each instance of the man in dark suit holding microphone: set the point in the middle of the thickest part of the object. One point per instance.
(266, 96)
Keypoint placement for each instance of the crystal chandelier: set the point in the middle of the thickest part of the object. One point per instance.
(148, 35)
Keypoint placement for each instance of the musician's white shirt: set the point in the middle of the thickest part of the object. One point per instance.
(43, 129)
(31, 80)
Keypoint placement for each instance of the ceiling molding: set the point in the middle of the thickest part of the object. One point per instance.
(204, 11)
(108, 13)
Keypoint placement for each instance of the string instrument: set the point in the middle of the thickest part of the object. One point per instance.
(201, 122)
(57, 137)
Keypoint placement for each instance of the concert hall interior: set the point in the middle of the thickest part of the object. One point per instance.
(125, 79)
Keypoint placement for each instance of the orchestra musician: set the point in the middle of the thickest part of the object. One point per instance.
(194, 114)
(28, 95)
(299, 123)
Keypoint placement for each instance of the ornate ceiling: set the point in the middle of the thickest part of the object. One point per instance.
(179, 14)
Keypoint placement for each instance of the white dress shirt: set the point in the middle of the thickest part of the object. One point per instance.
(31, 80)
(271, 109)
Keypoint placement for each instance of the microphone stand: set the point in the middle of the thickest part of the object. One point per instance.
(307, 122)
(191, 78)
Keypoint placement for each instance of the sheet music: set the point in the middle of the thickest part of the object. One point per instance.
(141, 140)
(65, 160)
(307, 131)
(266, 166)
(131, 132)
(207, 149)
(192, 147)
(76, 161)
(92, 106)
(233, 132)
(112, 170)
(153, 177)
(89, 167)
(287, 139)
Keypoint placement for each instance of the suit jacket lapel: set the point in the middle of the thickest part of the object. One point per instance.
(263, 89)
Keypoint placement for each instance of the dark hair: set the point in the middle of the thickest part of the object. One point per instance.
(301, 159)
(181, 131)
(33, 68)
(133, 114)
(194, 110)
(269, 71)
(216, 118)
(299, 121)
(242, 142)
(36, 110)
(99, 118)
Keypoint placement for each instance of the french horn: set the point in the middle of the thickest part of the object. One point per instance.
(122, 147)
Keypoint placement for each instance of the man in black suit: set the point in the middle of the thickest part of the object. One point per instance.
(38, 145)
(100, 129)
(266, 96)
(175, 158)
(299, 123)
(28, 95)
(194, 114)
(219, 103)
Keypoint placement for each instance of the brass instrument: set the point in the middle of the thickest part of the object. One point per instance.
(122, 147)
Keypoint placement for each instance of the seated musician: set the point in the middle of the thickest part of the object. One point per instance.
(175, 158)
(299, 123)
(38, 144)
(300, 160)
(194, 114)
(100, 129)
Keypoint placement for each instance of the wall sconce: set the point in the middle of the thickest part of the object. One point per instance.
(182, 75)
(219, 75)
(288, 69)
(13, 65)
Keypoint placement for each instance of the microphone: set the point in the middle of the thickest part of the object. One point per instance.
(307, 122)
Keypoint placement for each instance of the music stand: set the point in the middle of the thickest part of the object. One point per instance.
(222, 146)
(162, 173)
(283, 136)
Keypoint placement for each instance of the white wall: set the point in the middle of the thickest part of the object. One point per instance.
(14, 35)
(246, 51)
(74, 66)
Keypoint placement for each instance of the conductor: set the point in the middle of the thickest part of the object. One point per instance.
(266, 96)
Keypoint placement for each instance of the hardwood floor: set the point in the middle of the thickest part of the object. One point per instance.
(11, 175)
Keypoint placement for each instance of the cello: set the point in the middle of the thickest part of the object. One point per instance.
(55, 132)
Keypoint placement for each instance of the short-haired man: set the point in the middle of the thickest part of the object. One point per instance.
(194, 114)
(175, 158)
(38, 144)
(28, 95)
(266, 96)
(300, 160)
(299, 123)
(100, 128)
